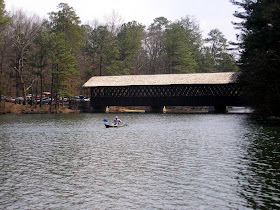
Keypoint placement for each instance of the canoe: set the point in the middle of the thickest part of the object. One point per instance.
(113, 126)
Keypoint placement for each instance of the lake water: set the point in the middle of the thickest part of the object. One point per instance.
(157, 161)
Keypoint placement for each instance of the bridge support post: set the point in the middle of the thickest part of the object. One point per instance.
(217, 109)
(99, 109)
(154, 109)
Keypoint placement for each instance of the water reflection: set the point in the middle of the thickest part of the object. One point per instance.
(260, 175)
(169, 161)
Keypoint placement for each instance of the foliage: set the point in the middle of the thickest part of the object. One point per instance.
(154, 47)
(66, 40)
(129, 38)
(39, 57)
(206, 62)
(62, 62)
(196, 42)
(4, 19)
(223, 61)
(68, 23)
(103, 49)
(178, 50)
(260, 58)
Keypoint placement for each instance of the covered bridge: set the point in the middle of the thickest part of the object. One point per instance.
(156, 91)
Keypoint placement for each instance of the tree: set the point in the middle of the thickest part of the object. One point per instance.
(199, 52)
(103, 49)
(178, 50)
(260, 55)
(24, 29)
(114, 22)
(224, 62)
(66, 40)
(129, 38)
(67, 23)
(5, 53)
(39, 57)
(63, 66)
(4, 19)
(206, 61)
(154, 46)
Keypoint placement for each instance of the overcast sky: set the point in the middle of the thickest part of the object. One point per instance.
(209, 13)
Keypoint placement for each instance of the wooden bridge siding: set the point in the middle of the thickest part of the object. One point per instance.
(170, 95)
(174, 101)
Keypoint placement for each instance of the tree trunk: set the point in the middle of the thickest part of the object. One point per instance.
(41, 88)
(100, 66)
(51, 103)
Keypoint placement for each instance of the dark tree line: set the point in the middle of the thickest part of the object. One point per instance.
(60, 54)
(260, 53)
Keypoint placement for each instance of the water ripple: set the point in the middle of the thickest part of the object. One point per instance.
(156, 162)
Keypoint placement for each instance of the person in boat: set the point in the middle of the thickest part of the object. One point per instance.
(117, 121)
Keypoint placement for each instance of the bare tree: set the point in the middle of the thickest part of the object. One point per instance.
(114, 22)
(93, 24)
(23, 29)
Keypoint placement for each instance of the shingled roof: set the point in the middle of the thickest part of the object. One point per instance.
(162, 79)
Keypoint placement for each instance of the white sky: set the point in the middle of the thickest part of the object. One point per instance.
(209, 13)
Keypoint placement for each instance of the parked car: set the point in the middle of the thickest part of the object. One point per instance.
(65, 99)
(19, 100)
(12, 99)
(78, 98)
(46, 100)
(29, 97)
(3, 97)
(36, 99)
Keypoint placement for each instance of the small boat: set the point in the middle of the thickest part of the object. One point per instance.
(113, 125)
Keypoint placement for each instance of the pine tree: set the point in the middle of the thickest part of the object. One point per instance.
(260, 43)
(224, 62)
(192, 28)
(39, 58)
(178, 50)
(68, 23)
(66, 39)
(129, 38)
(4, 19)
(103, 49)
(63, 66)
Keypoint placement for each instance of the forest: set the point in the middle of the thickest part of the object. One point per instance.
(60, 53)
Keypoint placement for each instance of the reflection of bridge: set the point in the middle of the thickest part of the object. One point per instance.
(156, 91)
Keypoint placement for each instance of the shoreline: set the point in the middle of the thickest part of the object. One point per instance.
(12, 108)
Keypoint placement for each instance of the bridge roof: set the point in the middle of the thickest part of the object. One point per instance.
(162, 79)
